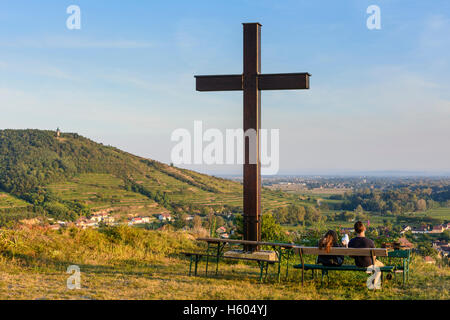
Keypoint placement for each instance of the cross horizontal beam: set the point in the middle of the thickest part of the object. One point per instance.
(283, 81)
(235, 82)
(230, 82)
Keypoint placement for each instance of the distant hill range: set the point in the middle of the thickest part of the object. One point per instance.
(67, 176)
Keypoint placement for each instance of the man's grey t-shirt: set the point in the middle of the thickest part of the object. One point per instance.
(362, 242)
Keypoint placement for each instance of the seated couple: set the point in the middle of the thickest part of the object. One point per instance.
(360, 241)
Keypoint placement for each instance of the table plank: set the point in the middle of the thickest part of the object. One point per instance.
(259, 243)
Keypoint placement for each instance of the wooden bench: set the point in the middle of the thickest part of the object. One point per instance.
(365, 252)
(195, 257)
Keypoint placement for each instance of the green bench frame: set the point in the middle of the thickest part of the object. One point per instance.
(196, 257)
(405, 255)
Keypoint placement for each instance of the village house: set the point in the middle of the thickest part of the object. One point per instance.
(444, 251)
(96, 218)
(221, 230)
(442, 247)
(438, 229)
(429, 260)
(405, 229)
(100, 216)
(139, 220)
(189, 218)
(109, 220)
(405, 243)
(421, 229)
(146, 219)
(85, 223)
(440, 243)
(165, 217)
(81, 223)
(92, 224)
(135, 221)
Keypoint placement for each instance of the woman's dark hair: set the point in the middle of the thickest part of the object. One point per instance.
(329, 239)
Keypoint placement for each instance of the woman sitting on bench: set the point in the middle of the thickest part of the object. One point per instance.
(330, 240)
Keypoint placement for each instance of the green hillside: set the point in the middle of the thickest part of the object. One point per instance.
(70, 176)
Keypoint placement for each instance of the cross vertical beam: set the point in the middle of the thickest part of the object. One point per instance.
(252, 124)
(251, 81)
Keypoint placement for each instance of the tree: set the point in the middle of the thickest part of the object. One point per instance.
(295, 214)
(421, 205)
(349, 216)
(312, 215)
(220, 222)
(212, 224)
(59, 211)
(180, 221)
(197, 222)
(388, 225)
(270, 230)
(280, 215)
(359, 209)
(205, 211)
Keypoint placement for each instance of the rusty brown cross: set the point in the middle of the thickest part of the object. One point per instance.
(252, 82)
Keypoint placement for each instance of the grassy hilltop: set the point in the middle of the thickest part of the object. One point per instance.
(129, 263)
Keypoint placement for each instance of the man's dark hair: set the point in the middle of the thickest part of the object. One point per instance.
(359, 227)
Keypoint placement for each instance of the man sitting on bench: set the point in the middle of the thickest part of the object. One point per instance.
(360, 241)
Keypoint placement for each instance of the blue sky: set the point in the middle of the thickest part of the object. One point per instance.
(379, 99)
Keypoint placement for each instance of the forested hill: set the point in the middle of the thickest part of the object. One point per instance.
(35, 165)
(32, 158)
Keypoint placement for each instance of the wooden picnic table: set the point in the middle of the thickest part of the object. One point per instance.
(284, 250)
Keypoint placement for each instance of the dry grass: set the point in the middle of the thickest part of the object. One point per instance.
(127, 263)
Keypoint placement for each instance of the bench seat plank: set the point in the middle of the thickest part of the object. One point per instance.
(188, 254)
(249, 259)
(364, 252)
(342, 268)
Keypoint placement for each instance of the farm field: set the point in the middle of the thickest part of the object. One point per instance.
(8, 201)
(102, 191)
(440, 213)
(294, 188)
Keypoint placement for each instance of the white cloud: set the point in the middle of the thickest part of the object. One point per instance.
(37, 68)
(70, 42)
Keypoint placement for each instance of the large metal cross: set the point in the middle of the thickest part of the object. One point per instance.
(252, 82)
